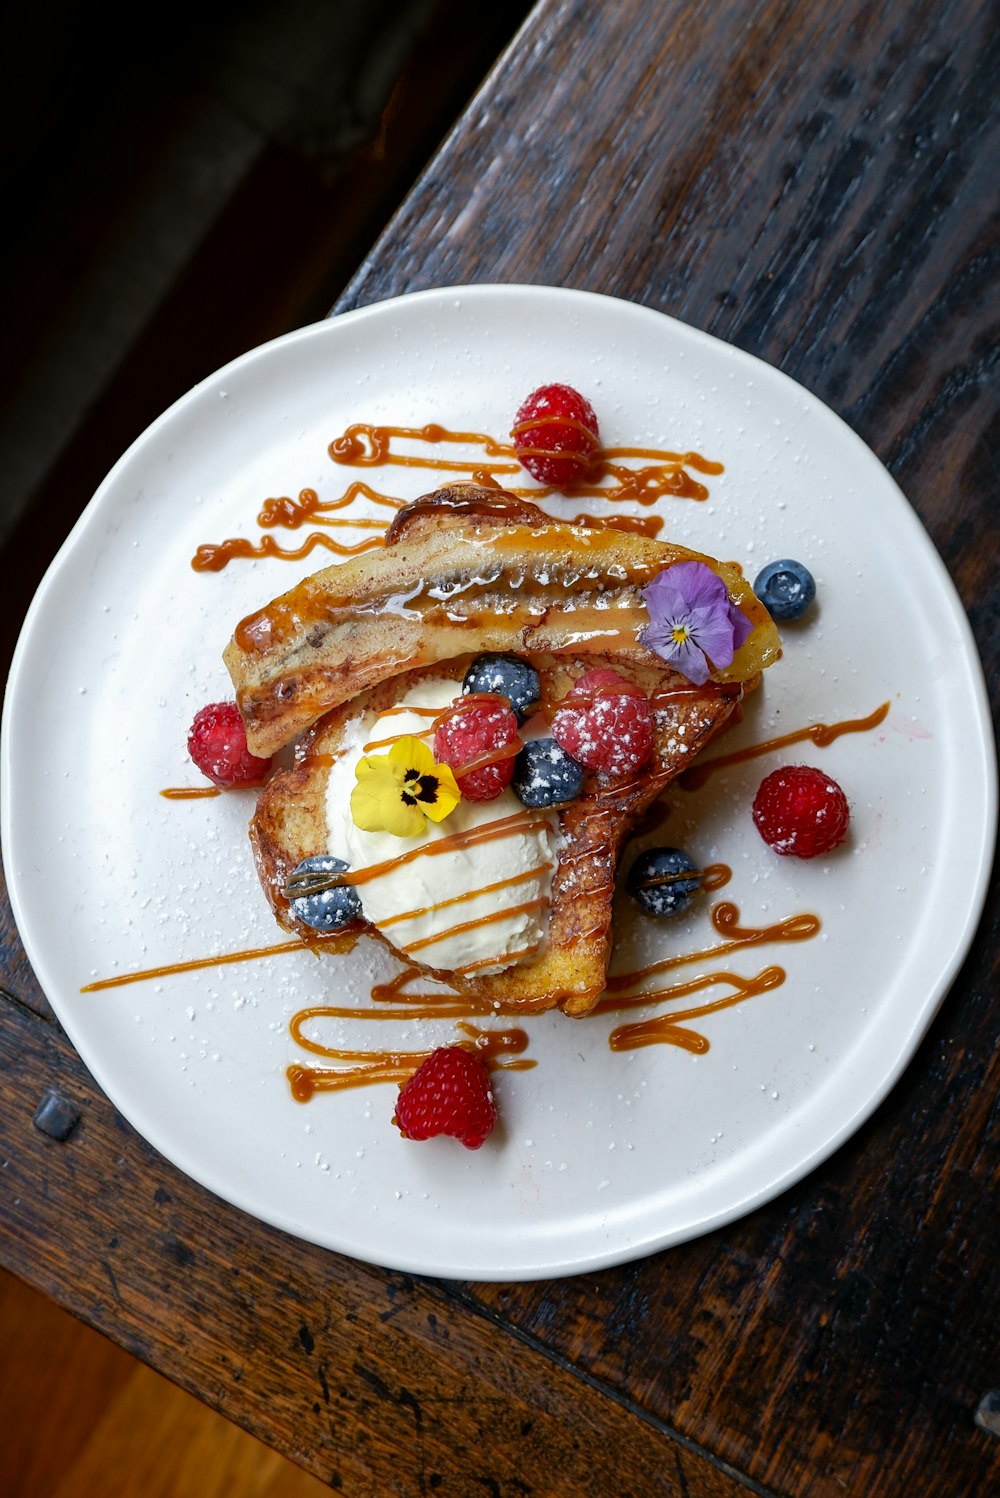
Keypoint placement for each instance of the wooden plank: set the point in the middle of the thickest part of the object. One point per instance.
(835, 1341)
(17, 976)
(815, 185)
(831, 216)
(376, 1382)
(79, 1413)
(127, 294)
(55, 1379)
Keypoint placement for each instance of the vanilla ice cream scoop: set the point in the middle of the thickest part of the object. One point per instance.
(476, 906)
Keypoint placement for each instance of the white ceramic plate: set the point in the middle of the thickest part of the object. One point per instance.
(601, 1157)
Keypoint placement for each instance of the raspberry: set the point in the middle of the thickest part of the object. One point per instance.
(800, 812)
(605, 723)
(479, 737)
(449, 1093)
(555, 435)
(218, 745)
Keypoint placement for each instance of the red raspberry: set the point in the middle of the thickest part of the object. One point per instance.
(449, 1093)
(606, 724)
(218, 745)
(479, 733)
(800, 812)
(555, 435)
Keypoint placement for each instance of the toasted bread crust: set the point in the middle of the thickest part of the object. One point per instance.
(290, 825)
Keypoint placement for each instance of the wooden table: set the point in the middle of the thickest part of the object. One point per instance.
(816, 184)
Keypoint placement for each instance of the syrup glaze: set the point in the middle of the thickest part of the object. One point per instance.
(249, 954)
(396, 1066)
(638, 474)
(624, 991)
(394, 1000)
(313, 604)
(648, 475)
(820, 734)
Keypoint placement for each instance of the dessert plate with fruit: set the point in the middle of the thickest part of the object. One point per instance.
(531, 783)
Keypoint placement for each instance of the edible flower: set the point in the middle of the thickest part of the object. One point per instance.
(397, 791)
(694, 624)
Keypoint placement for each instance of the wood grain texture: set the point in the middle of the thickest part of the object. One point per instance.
(815, 184)
(82, 1416)
(16, 973)
(377, 1383)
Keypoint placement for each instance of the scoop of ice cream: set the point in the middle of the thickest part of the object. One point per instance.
(476, 908)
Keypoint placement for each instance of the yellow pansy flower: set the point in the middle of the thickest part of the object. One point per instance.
(396, 791)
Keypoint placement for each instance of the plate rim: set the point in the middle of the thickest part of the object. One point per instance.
(625, 1251)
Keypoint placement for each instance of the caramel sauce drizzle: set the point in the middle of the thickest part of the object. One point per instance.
(471, 894)
(667, 1029)
(365, 445)
(316, 759)
(396, 1066)
(623, 991)
(250, 954)
(291, 513)
(636, 525)
(518, 821)
(660, 473)
(541, 903)
(392, 1002)
(213, 557)
(820, 734)
(190, 792)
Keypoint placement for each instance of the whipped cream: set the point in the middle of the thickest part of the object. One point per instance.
(420, 905)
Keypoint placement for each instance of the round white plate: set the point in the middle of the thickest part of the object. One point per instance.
(601, 1156)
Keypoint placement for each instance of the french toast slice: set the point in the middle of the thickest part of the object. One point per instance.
(465, 570)
(569, 969)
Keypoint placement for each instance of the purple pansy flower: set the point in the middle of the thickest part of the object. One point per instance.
(694, 624)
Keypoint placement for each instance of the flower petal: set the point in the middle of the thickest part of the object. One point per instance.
(395, 791)
(690, 662)
(693, 582)
(662, 598)
(401, 819)
(377, 803)
(742, 626)
(685, 656)
(376, 786)
(713, 633)
(447, 797)
(410, 753)
(691, 595)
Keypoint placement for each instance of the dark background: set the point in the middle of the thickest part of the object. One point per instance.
(180, 185)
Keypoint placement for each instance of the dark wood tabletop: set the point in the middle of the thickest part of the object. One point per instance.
(815, 184)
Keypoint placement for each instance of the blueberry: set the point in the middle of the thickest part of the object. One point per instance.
(785, 588)
(506, 676)
(324, 907)
(663, 881)
(545, 775)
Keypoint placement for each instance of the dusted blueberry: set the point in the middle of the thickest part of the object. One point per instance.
(785, 588)
(315, 900)
(545, 775)
(663, 881)
(506, 676)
